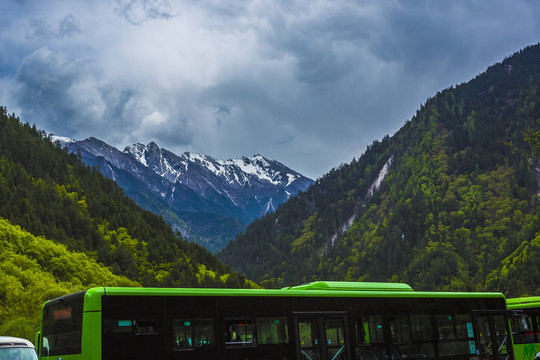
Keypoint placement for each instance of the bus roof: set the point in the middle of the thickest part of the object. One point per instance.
(316, 289)
(523, 302)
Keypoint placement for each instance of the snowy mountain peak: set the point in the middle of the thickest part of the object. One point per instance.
(244, 188)
(227, 194)
(62, 139)
(137, 150)
(241, 172)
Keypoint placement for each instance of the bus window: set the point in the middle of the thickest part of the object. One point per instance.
(137, 327)
(62, 326)
(400, 328)
(189, 334)
(183, 335)
(240, 333)
(421, 327)
(501, 335)
(145, 327)
(455, 335)
(369, 330)
(445, 325)
(272, 330)
(118, 326)
(369, 336)
(522, 330)
(204, 333)
(464, 329)
(412, 336)
(376, 329)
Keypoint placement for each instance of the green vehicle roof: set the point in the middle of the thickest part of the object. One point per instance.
(523, 302)
(314, 289)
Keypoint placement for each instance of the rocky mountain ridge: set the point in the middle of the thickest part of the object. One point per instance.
(209, 201)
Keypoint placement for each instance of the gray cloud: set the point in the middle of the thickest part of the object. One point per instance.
(310, 83)
(43, 84)
(41, 29)
(68, 26)
(137, 12)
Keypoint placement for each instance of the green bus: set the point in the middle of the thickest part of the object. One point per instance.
(524, 316)
(316, 321)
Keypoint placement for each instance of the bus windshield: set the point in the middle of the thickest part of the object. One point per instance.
(62, 325)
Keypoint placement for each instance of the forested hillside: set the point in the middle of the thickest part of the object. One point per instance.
(34, 270)
(49, 197)
(456, 210)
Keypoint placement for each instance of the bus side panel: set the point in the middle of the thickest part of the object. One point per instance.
(91, 339)
(133, 327)
(526, 351)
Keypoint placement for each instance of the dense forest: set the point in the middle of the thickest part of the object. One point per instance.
(457, 209)
(65, 227)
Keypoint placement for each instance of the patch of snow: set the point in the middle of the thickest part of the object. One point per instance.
(380, 178)
(348, 224)
(137, 150)
(291, 178)
(62, 139)
(269, 206)
(256, 166)
(333, 239)
(113, 174)
(230, 197)
(344, 228)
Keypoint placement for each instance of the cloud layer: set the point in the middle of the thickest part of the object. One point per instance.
(309, 83)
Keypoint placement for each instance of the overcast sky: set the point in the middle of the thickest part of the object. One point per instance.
(308, 83)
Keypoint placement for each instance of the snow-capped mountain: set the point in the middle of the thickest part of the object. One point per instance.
(209, 197)
(248, 187)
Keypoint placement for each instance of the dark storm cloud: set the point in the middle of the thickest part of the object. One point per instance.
(324, 48)
(310, 83)
(66, 96)
(116, 103)
(43, 82)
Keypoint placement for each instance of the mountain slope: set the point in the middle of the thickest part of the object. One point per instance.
(448, 202)
(209, 201)
(51, 193)
(35, 270)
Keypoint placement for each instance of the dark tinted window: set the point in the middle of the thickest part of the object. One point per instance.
(189, 333)
(445, 325)
(272, 330)
(370, 329)
(137, 327)
(240, 333)
(400, 328)
(62, 325)
(421, 327)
